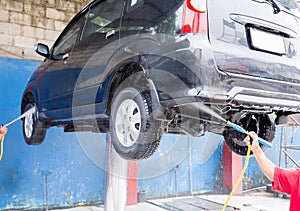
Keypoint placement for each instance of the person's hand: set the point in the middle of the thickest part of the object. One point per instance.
(3, 130)
(255, 144)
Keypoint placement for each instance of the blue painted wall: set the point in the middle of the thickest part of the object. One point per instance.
(75, 163)
(200, 171)
(73, 178)
(186, 165)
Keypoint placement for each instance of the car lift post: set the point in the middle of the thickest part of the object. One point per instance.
(121, 180)
(232, 167)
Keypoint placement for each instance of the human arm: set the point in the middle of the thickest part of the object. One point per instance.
(264, 163)
(3, 131)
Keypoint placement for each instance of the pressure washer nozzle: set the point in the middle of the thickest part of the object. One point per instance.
(237, 127)
(242, 130)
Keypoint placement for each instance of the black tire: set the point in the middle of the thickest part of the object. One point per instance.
(34, 131)
(134, 133)
(262, 124)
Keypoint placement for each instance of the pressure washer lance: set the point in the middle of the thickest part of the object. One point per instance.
(242, 130)
(27, 113)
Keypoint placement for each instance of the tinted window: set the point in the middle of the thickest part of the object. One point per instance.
(132, 4)
(289, 4)
(171, 24)
(155, 16)
(69, 37)
(102, 15)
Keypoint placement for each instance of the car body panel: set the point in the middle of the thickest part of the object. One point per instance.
(228, 62)
(230, 29)
(148, 31)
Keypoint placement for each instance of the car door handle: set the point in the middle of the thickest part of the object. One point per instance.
(110, 33)
(65, 56)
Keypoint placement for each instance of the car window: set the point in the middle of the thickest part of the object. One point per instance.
(289, 4)
(68, 37)
(132, 4)
(155, 16)
(101, 16)
(170, 24)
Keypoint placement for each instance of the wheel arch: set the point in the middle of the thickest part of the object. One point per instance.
(123, 72)
(139, 64)
(28, 96)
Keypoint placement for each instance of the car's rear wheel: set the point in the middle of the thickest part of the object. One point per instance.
(262, 124)
(34, 131)
(134, 133)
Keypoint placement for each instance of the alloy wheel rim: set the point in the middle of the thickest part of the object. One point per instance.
(128, 122)
(28, 125)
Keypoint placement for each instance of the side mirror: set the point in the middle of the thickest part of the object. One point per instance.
(42, 50)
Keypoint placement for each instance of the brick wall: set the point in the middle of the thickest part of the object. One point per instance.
(24, 23)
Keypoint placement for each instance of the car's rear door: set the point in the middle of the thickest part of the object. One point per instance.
(256, 38)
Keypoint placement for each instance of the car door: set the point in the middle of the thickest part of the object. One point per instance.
(255, 38)
(98, 42)
(53, 85)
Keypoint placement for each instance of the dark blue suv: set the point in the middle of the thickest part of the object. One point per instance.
(142, 68)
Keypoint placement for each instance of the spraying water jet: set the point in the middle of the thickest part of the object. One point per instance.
(204, 108)
(27, 113)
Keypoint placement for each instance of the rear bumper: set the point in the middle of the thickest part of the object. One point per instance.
(255, 99)
(262, 93)
(283, 98)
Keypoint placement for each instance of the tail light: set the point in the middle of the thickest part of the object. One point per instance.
(194, 17)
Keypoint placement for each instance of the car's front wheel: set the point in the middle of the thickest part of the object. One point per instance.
(34, 131)
(134, 133)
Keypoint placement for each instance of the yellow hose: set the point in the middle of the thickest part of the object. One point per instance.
(239, 178)
(1, 150)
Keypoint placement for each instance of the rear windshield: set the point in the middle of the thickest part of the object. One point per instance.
(156, 15)
(289, 4)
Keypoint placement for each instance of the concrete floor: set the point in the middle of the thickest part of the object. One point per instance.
(244, 203)
(255, 201)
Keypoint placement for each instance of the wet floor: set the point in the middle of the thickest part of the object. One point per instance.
(255, 201)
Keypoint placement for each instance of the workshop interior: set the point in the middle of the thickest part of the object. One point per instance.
(145, 104)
